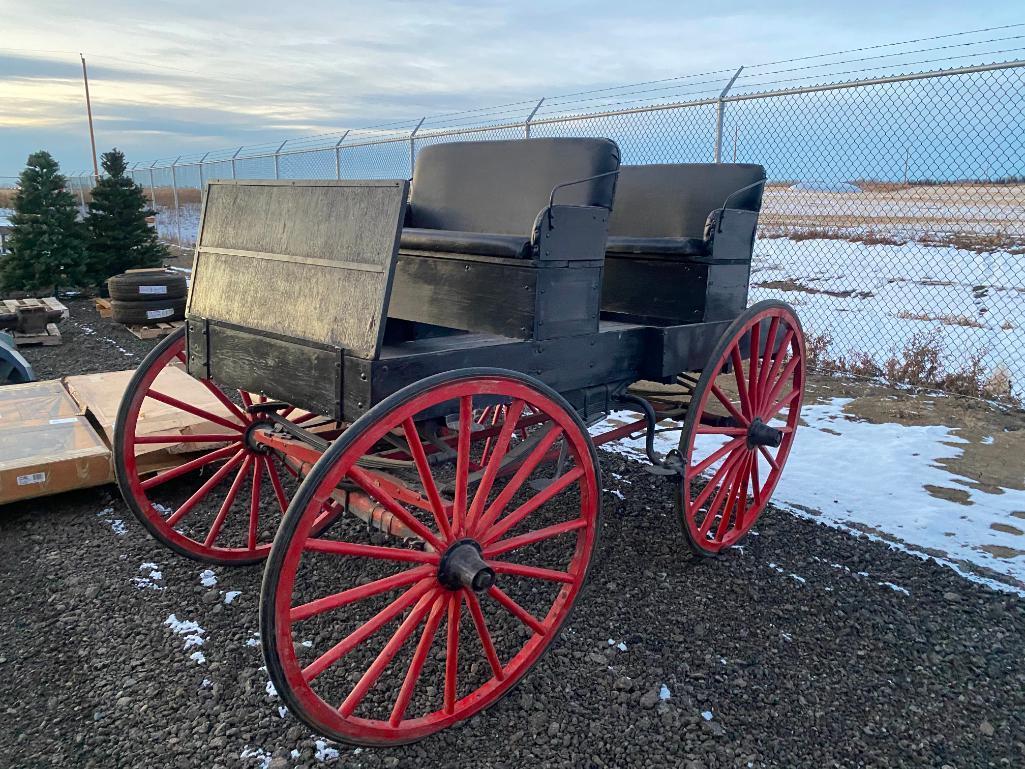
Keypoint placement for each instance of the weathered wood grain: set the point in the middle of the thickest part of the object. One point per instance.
(310, 260)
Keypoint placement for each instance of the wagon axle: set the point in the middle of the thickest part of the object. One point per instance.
(462, 566)
(761, 434)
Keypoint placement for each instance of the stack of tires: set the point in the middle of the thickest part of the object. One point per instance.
(147, 297)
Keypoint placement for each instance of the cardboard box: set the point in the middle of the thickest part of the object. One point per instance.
(99, 396)
(35, 400)
(46, 456)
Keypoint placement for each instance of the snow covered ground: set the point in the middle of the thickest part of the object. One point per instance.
(887, 480)
(875, 298)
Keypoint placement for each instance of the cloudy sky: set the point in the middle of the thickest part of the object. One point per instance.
(190, 76)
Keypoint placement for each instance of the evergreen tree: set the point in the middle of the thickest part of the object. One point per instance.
(119, 237)
(47, 244)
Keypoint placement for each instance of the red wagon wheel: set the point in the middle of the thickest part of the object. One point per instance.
(380, 641)
(740, 425)
(223, 503)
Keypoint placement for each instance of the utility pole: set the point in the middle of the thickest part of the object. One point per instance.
(89, 109)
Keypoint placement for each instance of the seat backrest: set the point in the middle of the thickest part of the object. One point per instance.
(673, 201)
(500, 186)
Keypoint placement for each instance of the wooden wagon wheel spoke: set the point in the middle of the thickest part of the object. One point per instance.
(416, 665)
(551, 531)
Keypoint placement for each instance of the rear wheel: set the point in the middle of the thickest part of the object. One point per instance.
(375, 640)
(189, 470)
(740, 426)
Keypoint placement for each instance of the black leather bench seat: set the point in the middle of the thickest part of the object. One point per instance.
(623, 244)
(456, 242)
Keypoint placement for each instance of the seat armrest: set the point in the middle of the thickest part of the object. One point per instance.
(730, 233)
(571, 233)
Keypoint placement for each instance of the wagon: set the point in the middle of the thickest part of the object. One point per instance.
(404, 387)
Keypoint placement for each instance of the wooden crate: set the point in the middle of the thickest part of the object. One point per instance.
(50, 302)
(103, 307)
(155, 331)
(51, 337)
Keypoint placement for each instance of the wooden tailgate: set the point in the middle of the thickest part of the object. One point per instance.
(306, 260)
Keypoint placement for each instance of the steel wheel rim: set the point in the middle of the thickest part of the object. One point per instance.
(765, 387)
(249, 473)
(324, 716)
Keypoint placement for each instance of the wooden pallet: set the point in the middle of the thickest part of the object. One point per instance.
(51, 337)
(103, 307)
(156, 330)
(51, 303)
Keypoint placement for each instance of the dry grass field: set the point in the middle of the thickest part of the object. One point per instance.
(974, 216)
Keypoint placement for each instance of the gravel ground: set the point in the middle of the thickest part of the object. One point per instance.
(807, 647)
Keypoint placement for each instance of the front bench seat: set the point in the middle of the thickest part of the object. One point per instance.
(487, 198)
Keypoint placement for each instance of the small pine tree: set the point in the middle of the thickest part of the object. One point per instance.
(47, 244)
(119, 237)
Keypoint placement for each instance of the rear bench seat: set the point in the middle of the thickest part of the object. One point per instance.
(680, 241)
(482, 249)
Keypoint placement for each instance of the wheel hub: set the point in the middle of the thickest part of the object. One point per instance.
(463, 566)
(761, 434)
(251, 443)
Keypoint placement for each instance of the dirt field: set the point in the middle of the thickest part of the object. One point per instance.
(805, 648)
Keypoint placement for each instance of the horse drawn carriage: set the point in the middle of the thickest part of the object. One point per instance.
(405, 385)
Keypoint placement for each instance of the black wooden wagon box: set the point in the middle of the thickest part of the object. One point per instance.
(412, 378)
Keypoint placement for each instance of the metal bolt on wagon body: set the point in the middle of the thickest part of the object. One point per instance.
(406, 375)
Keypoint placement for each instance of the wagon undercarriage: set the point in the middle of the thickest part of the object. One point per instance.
(426, 490)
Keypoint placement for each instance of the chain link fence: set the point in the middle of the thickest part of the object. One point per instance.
(894, 216)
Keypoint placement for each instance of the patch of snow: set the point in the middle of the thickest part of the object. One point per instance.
(119, 528)
(987, 440)
(706, 714)
(818, 483)
(150, 579)
(325, 753)
(262, 757)
(282, 711)
(896, 588)
(207, 578)
(271, 691)
(189, 628)
(231, 595)
(664, 693)
(616, 493)
(621, 646)
(198, 658)
(307, 644)
(207, 683)
(800, 579)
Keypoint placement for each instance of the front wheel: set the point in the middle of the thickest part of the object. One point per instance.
(377, 640)
(740, 426)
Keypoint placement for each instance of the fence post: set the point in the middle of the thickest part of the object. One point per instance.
(152, 186)
(277, 168)
(526, 124)
(233, 174)
(201, 173)
(719, 110)
(338, 155)
(412, 145)
(174, 191)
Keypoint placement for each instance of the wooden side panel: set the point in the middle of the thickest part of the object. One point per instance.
(307, 260)
(660, 291)
(302, 374)
(493, 296)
